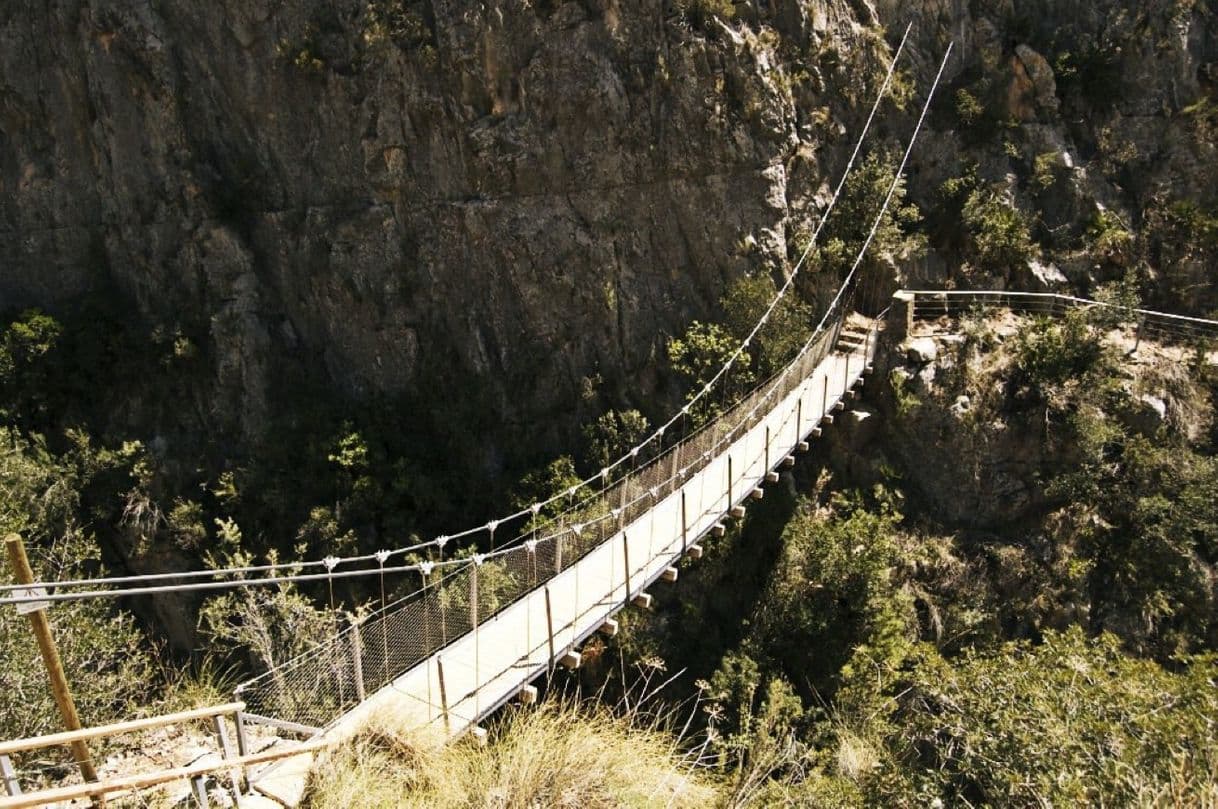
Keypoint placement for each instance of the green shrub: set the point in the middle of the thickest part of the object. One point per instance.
(1052, 351)
(784, 333)
(1068, 722)
(612, 435)
(105, 656)
(969, 108)
(998, 236)
(1110, 240)
(698, 355)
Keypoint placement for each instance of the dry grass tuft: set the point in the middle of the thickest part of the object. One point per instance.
(561, 754)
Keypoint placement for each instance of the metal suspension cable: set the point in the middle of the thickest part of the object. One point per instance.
(535, 508)
(231, 571)
(816, 234)
(892, 189)
(81, 595)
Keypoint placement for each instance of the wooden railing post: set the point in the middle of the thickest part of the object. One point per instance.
(729, 481)
(767, 448)
(226, 753)
(243, 747)
(626, 559)
(23, 574)
(443, 694)
(12, 786)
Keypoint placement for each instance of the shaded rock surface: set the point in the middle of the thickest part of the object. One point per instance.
(398, 194)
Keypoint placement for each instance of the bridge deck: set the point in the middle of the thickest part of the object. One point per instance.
(484, 668)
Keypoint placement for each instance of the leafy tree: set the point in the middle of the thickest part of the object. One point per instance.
(1049, 350)
(698, 355)
(26, 376)
(860, 203)
(262, 626)
(786, 330)
(540, 485)
(1154, 543)
(998, 236)
(833, 583)
(612, 435)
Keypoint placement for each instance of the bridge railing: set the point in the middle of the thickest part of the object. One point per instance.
(453, 602)
(933, 304)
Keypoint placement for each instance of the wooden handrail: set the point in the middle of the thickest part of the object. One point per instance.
(67, 737)
(130, 782)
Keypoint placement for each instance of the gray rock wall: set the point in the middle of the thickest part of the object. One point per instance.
(522, 193)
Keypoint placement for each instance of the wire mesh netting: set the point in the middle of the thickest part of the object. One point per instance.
(459, 596)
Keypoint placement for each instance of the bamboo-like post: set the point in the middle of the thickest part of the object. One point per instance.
(24, 574)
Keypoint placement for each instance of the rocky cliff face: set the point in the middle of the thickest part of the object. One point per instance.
(402, 193)
(519, 200)
(1093, 120)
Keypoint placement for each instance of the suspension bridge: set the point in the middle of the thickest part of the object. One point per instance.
(481, 629)
(478, 628)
